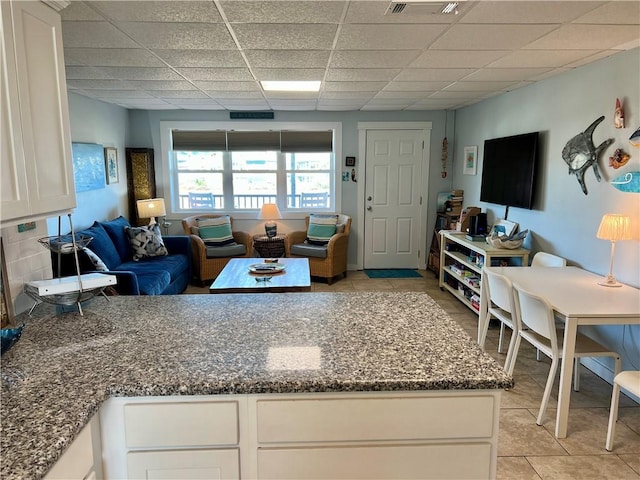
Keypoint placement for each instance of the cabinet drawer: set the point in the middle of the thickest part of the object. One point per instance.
(440, 462)
(181, 424)
(184, 465)
(441, 417)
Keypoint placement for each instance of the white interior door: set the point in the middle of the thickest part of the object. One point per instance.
(393, 176)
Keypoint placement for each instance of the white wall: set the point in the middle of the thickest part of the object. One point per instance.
(93, 121)
(564, 221)
(145, 132)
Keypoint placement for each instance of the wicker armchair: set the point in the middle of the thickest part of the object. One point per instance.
(207, 268)
(335, 262)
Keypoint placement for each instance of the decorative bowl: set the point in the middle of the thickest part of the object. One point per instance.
(499, 242)
(9, 337)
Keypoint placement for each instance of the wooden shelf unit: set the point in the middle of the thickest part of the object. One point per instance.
(461, 262)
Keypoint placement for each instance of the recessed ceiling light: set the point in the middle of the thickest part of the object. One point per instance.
(291, 86)
(450, 7)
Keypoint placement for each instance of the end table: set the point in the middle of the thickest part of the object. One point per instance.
(270, 247)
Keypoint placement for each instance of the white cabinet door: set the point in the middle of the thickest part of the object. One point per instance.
(44, 159)
(13, 177)
(184, 464)
(81, 461)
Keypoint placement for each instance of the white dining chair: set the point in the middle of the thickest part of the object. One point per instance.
(543, 259)
(630, 381)
(535, 323)
(498, 292)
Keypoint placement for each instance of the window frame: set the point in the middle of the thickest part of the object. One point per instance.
(168, 175)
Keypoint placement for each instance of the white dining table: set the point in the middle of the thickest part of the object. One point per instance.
(577, 299)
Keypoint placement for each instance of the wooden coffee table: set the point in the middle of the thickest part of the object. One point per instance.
(236, 277)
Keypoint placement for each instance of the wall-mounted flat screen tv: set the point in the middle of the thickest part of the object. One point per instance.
(509, 170)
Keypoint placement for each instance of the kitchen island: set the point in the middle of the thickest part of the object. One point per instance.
(272, 355)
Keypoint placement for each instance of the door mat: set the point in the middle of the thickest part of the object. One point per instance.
(393, 273)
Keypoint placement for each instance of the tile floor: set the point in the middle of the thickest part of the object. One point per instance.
(527, 451)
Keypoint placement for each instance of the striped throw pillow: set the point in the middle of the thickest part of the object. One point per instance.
(215, 231)
(321, 228)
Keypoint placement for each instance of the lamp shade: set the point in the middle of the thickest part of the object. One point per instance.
(614, 227)
(269, 211)
(152, 207)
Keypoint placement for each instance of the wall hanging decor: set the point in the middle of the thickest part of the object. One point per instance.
(619, 158)
(88, 166)
(580, 153)
(470, 160)
(111, 164)
(634, 139)
(618, 115)
(628, 182)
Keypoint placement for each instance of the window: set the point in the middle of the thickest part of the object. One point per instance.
(236, 171)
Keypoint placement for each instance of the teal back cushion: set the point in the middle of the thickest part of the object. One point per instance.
(321, 228)
(215, 231)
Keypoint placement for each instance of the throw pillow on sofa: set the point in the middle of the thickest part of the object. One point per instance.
(215, 232)
(146, 242)
(97, 262)
(321, 228)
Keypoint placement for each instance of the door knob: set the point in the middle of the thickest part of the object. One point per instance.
(369, 208)
(369, 198)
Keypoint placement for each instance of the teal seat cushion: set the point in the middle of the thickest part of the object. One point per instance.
(309, 250)
(230, 250)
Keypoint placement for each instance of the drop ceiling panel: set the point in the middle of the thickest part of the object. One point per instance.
(201, 58)
(373, 58)
(160, 11)
(209, 54)
(433, 74)
(387, 37)
(285, 36)
(489, 37)
(287, 58)
(114, 57)
(587, 37)
(527, 12)
(156, 35)
(540, 58)
(457, 58)
(302, 74)
(361, 74)
(212, 74)
(94, 35)
(283, 12)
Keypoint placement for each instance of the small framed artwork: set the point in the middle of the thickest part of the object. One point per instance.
(350, 161)
(111, 164)
(470, 160)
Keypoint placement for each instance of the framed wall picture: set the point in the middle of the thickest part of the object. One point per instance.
(350, 161)
(88, 166)
(111, 165)
(470, 160)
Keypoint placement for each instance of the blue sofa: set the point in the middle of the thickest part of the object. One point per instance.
(163, 275)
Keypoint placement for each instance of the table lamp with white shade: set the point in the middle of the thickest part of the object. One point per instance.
(270, 212)
(151, 208)
(613, 227)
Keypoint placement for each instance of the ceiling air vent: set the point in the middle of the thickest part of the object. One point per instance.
(423, 7)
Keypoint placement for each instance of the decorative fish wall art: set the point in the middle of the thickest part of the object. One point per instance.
(580, 153)
(634, 139)
(629, 182)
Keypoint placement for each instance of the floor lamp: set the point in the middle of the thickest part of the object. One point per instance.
(614, 228)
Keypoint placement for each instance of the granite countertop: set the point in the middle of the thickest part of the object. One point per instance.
(66, 365)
